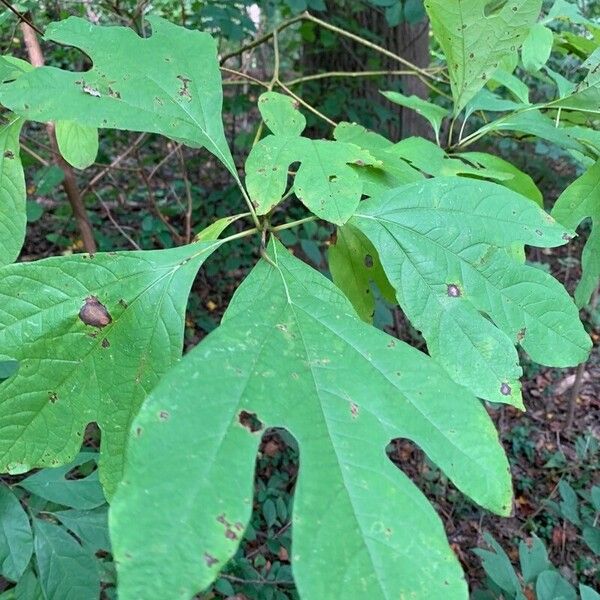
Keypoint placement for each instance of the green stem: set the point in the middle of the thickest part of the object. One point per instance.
(294, 223)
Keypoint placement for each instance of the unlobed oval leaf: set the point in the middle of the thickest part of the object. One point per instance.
(16, 539)
(77, 143)
(292, 353)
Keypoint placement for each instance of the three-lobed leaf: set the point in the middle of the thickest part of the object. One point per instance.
(325, 182)
(445, 247)
(92, 334)
(292, 353)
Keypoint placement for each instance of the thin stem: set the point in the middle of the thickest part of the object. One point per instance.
(245, 76)
(22, 17)
(294, 223)
(307, 105)
(350, 74)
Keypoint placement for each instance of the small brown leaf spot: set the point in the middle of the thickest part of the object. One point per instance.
(239, 526)
(113, 93)
(354, 410)
(471, 55)
(163, 415)
(230, 534)
(92, 334)
(368, 261)
(521, 334)
(122, 303)
(567, 237)
(210, 560)
(94, 313)
(184, 91)
(138, 431)
(505, 389)
(453, 290)
(360, 163)
(539, 232)
(9, 154)
(53, 397)
(105, 343)
(391, 344)
(250, 421)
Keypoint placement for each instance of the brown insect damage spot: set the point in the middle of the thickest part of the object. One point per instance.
(163, 415)
(9, 154)
(505, 389)
(94, 313)
(368, 261)
(521, 334)
(230, 534)
(184, 90)
(354, 410)
(250, 421)
(453, 290)
(105, 343)
(53, 397)
(210, 560)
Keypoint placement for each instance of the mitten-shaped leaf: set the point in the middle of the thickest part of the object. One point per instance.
(292, 353)
(13, 219)
(326, 180)
(168, 83)
(578, 202)
(444, 245)
(93, 335)
(476, 35)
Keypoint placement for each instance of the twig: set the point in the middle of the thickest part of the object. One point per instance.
(188, 194)
(22, 18)
(114, 222)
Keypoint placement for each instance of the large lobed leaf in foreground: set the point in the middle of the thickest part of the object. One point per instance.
(93, 335)
(291, 352)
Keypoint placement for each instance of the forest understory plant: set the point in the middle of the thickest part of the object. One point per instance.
(435, 228)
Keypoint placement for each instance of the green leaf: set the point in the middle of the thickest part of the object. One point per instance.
(569, 504)
(432, 112)
(537, 47)
(78, 144)
(443, 244)
(168, 83)
(90, 526)
(433, 160)
(16, 540)
(13, 219)
(52, 485)
(28, 587)
(519, 181)
(325, 181)
(391, 170)
(343, 389)
(533, 123)
(533, 558)
(498, 567)
(93, 335)
(579, 201)
(591, 536)
(513, 84)
(475, 42)
(354, 264)
(214, 230)
(587, 593)
(66, 570)
(281, 115)
(550, 585)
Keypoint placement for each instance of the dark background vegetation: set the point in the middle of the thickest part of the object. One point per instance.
(148, 192)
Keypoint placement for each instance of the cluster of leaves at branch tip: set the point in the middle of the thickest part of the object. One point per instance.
(100, 339)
